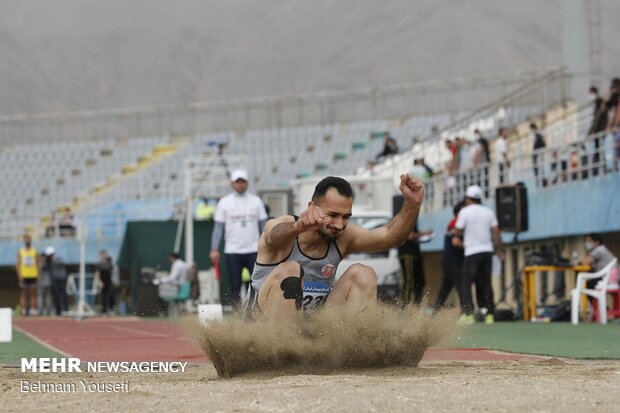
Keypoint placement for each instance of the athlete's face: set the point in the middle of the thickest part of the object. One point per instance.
(337, 210)
(27, 240)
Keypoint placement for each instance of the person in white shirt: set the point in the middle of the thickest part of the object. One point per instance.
(240, 216)
(179, 272)
(501, 155)
(479, 228)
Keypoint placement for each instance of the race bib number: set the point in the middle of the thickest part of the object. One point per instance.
(315, 294)
(29, 261)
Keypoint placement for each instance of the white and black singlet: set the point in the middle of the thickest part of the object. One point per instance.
(319, 274)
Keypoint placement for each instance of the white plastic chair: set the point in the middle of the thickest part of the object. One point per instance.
(599, 292)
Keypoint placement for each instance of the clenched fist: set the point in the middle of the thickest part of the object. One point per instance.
(311, 219)
(412, 189)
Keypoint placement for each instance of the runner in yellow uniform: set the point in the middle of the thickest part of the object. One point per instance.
(28, 274)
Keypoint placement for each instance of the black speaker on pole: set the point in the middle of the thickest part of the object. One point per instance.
(512, 208)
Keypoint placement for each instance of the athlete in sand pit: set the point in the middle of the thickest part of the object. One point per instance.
(298, 256)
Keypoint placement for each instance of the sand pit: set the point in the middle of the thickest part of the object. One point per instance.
(325, 341)
(382, 375)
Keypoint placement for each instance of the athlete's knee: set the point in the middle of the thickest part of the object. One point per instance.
(363, 276)
(290, 269)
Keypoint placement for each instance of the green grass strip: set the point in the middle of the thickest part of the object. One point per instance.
(583, 341)
(23, 346)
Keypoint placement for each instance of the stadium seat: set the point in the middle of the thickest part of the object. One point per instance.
(599, 293)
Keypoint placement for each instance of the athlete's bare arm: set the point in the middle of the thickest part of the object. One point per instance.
(280, 233)
(358, 239)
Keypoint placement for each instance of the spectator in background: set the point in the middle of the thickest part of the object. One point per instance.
(452, 263)
(179, 272)
(27, 267)
(501, 155)
(483, 148)
(66, 223)
(44, 290)
(598, 109)
(425, 173)
(479, 228)
(453, 164)
(58, 274)
(50, 228)
(370, 166)
(390, 147)
(598, 256)
(421, 170)
(412, 265)
(103, 277)
(465, 154)
(538, 159)
(429, 171)
(600, 118)
(612, 105)
(205, 210)
(481, 161)
(240, 217)
(451, 171)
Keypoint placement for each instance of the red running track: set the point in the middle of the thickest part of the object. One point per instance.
(134, 339)
(114, 339)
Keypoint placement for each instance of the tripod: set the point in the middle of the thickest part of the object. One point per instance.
(516, 285)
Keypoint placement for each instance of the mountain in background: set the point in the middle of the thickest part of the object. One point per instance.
(87, 54)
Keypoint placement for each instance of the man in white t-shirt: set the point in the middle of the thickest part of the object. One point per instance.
(240, 216)
(478, 226)
(179, 271)
(501, 155)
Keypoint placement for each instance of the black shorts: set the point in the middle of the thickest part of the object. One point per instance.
(28, 282)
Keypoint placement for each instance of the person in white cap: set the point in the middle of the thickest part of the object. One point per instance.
(55, 267)
(240, 216)
(478, 226)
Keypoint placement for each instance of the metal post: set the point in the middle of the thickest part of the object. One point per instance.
(189, 218)
(82, 289)
(515, 275)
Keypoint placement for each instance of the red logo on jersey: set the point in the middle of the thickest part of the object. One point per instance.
(329, 270)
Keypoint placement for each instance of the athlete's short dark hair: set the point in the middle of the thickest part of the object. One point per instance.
(341, 185)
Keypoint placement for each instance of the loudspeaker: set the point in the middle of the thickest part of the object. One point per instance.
(512, 207)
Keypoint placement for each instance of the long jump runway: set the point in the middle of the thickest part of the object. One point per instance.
(135, 339)
(114, 339)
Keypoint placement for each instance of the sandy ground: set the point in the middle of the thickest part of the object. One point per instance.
(550, 385)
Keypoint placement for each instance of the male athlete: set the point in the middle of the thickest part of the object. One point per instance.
(298, 256)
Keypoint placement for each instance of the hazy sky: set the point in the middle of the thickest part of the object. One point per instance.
(83, 54)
